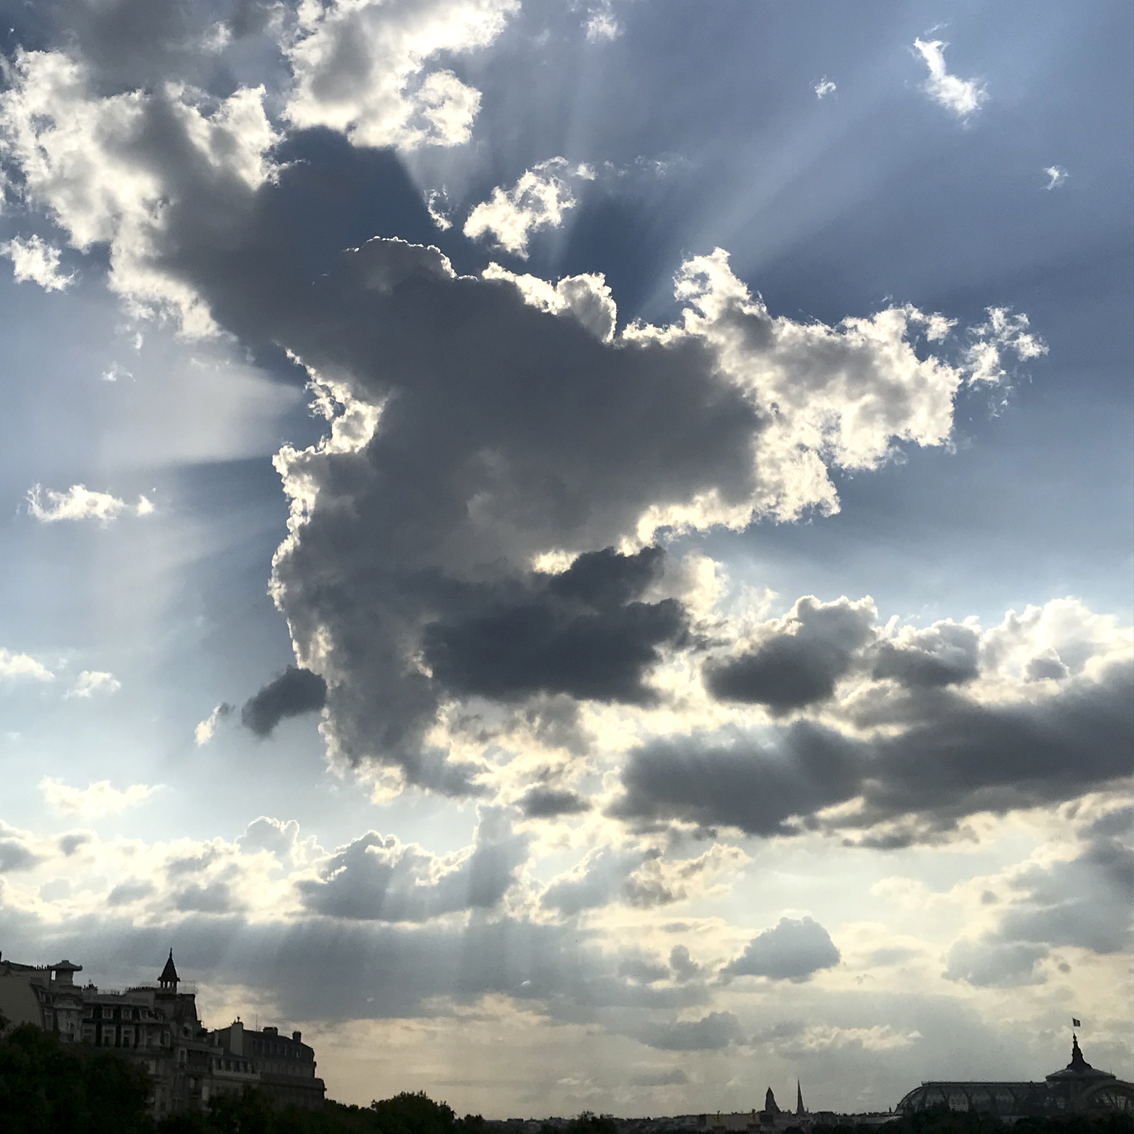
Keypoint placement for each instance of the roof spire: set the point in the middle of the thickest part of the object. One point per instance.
(799, 1099)
(169, 977)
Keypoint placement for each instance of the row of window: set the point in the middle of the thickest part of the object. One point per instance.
(285, 1049)
(107, 1012)
(122, 1036)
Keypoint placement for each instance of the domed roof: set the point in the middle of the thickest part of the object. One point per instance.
(1078, 1069)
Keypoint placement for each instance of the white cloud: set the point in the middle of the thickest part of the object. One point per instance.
(537, 200)
(360, 67)
(1056, 175)
(963, 97)
(1002, 332)
(80, 503)
(436, 201)
(90, 683)
(36, 261)
(586, 298)
(91, 163)
(93, 802)
(207, 728)
(824, 87)
(115, 371)
(14, 666)
(601, 24)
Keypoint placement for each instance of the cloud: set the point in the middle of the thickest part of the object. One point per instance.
(963, 97)
(644, 878)
(944, 654)
(93, 802)
(16, 666)
(549, 803)
(378, 878)
(214, 897)
(824, 87)
(939, 755)
(1056, 175)
(15, 853)
(362, 68)
(36, 261)
(601, 24)
(518, 425)
(803, 662)
(661, 1077)
(1087, 901)
(69, 844)
(91, 683)
(713, 1032)
(206, 729)
(537, 200)
(293, 693)
(278, 837)
(130, 891)
(991, 963)
(80, 503)
(791, 950)
(583, 632)
(436, 202)
(109, 169)
(507, 418)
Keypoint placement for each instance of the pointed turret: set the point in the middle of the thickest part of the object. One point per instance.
(169, 978)
(770, 1103)
(799, 1099)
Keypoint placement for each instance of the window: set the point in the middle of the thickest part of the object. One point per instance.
(127, 1037)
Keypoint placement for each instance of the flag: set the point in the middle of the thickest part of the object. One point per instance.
(1075, 1023)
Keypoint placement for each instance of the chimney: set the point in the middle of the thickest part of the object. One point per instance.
(271, 1031)
(297, 1036)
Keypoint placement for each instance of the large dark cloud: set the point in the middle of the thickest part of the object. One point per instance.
(792, 670)
(579, 632)
(950, 758)
(293, 693)
(791, 950)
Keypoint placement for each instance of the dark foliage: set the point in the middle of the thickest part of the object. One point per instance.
(45, 1088)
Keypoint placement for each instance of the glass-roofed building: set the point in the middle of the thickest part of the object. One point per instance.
(1078, 1089)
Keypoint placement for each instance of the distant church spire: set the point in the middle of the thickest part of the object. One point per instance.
(799, 1099)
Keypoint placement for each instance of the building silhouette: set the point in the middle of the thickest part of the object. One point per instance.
(157, 1027)
(1078, 1089)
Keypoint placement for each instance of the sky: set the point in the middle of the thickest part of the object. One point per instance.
(577, 551)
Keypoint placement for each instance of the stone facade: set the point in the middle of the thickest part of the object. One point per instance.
(158, 1027)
